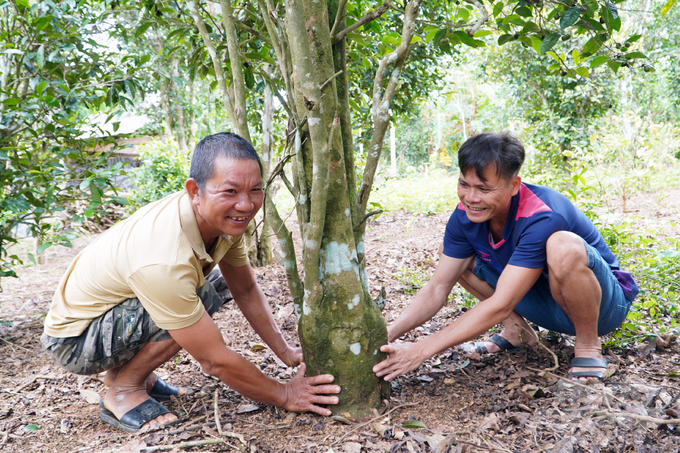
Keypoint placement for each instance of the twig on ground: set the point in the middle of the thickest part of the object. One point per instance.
(557, 362)
(217, 415)
(197, 443)
(12, 345)
(359, 426)
(642, 418)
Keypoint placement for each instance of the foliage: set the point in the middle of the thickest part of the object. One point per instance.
(164, 170)
(418, 194)
(53, 72)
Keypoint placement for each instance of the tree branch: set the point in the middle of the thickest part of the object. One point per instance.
(366, 18)
(251, 30)
(217, 64)
(238, 79)
(382, 101)
(339, 17)
(485, 16)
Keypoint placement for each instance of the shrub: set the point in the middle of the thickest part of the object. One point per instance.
(164, 170)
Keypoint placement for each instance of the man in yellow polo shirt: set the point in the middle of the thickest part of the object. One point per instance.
(137, 295)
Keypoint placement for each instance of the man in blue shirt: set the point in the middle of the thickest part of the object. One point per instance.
(526, 253)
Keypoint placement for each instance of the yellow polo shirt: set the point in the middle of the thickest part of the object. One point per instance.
(157, 255)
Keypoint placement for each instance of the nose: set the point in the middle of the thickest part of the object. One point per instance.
(245, 203)
(473, 195)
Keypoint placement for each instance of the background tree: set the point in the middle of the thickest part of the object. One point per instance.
(54, 72)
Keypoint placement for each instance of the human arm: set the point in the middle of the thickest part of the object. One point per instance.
(204, 342)
(431, 298)
(253, 304)
(512, 285)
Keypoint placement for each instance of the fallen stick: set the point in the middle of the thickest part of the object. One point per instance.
(642, 418)
(372, 420)
(197, 443)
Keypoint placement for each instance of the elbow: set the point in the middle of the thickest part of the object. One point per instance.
(211, 368)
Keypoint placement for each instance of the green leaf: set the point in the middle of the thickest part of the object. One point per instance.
(23, 3)
(582, 71)
(42, 22)
(592, 46)
(482, 33)
(523, 11)
(43, 247)
(502, 39)
(535, 43)
(40, 56)
(250, 77)
(570, 17)
(41, 87)
(549, 42)
(467, 40)
(634, 55)
(614, 66)
(633, 38)
(144, 59)
(31, 428)
(11, 101)
(667, 7)
(143, 28)
(413, 424)
(598, 61)
(612, 9)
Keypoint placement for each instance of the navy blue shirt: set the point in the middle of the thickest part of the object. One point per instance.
(536, 212)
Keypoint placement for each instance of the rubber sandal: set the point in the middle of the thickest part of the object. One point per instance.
(134, 419)
(583, 362)
(162, 391)
(480, 348)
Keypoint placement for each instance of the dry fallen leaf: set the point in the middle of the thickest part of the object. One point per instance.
(489, 422)
(90, 396)
(245, 408)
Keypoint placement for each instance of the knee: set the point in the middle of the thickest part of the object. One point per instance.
(565, 252)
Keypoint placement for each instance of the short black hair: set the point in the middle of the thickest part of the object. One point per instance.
(503, 150)
(224, 144)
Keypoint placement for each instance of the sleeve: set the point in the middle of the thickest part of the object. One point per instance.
(168, 294)
(530, 249)
(456, 245)
(237, 255)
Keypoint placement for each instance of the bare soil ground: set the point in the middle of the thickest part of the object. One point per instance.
(512, 402)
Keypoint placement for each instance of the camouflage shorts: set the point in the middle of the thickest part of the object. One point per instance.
(113, 338)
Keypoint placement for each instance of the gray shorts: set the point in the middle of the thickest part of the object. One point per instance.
(113, 338)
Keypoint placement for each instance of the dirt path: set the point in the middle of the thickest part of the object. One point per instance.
(496, 403)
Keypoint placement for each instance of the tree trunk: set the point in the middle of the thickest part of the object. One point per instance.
(341, 329)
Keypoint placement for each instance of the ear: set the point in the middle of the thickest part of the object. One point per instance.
(193, 191)
(515, 182)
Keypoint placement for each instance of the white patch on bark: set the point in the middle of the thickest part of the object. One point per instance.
(347, 212)
(361, 246)
(302, 199)
(315, 169)
(288, 264)
(311, 243)
(355, 348)
(313, 121)
(305, 308)
(354, 302)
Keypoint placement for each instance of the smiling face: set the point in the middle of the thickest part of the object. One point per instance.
(487, 199)
(229, 200)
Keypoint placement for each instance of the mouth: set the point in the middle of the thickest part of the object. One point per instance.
(239, 219)
(471, 209)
